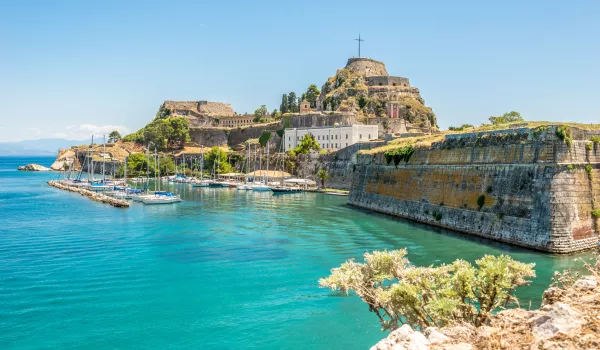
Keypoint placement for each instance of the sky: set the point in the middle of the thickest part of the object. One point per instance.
(72, 69)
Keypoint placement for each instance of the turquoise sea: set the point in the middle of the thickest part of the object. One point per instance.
(222, 270)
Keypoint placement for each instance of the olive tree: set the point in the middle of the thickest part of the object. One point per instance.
(401, 293)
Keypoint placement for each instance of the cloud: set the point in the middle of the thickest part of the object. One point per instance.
(85, 131)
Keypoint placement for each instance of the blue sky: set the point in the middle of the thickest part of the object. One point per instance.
(75, 68)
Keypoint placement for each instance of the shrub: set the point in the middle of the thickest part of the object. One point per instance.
(400, 293)
(480, 201)
(589, 146)
(595, 139)
(588, 170)
(564, 134)
(596, 213)
(437, 215)
(489, 189)
(570, 167)
(399, 154)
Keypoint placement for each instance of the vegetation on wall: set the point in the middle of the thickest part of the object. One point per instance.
(399, 154)
(399, 292)
(564, 134)
(460, 128)
(260, 114)
(265, 136)
(323, 176)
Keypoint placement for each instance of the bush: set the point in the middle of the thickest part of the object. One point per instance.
(399, 154)
(564, 134)
(400, 293)
(588, 170)
(589, 146)
(595, 139)
(596, 213)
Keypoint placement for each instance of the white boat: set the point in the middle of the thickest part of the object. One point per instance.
(244, 187)
(259, 187)
(161, 198)
(201, 183)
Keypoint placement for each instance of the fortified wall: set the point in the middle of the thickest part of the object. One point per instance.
(525, 187)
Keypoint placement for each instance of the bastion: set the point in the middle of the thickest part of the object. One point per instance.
(533, 187)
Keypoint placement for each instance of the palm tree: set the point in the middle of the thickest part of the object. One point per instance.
(323, 175)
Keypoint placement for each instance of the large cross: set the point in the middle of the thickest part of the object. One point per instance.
(359, 40)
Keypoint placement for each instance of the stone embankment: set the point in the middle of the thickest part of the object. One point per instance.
(568, 319)
(520, 186)
(98, 197)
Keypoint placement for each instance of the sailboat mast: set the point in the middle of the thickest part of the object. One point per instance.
(267, 161)
(91, 161)
(103, 158)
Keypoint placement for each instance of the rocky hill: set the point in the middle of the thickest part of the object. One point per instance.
(364, 87)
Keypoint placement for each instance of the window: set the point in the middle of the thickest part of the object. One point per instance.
(336, 145)
(346, 136)
(369, 136)
(336, 137)
(318, 137)
(346, 144)
(289, 138)
(394, 84)
(360, 136)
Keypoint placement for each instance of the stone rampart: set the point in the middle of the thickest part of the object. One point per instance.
(366, 66)
(525, 188)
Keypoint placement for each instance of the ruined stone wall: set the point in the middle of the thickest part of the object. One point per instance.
(240, 135)
(366, 66)
(387, 80)
(208, 137)
(507, 187)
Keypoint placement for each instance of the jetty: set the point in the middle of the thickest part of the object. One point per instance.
(98, 197)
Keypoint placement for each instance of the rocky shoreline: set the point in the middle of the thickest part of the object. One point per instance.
(33, 167)
(568, 319)
(98, 197)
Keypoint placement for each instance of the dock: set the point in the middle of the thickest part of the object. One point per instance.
(98, 197)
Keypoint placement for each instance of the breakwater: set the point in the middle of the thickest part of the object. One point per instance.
(526, 187)
(98, 197)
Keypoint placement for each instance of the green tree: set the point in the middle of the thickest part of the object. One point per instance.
(114, 136)
(292, 103)
(311, 94)
(260, 114)
(399, 292)
(284, 104)
(509, 117)
(323, 176)
(217, 158)
(307, 143)
(180, 132)
(163, 112)
(276, 115)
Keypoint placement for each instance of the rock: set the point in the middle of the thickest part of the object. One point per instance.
(434, 336)
(486, 331)
(586, 283)
(459, 346)
(551, 295)
(561, 318)
(33, 167)
(403, 338)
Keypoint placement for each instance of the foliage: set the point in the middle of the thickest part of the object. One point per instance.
(595, 139)
(589, 146)
(137, 137)
(564, 134)
(362, 101)
(292, 103)
(311, 95)
(588, 170)
(481, 201)
(596, 213)
(217, 158)
(437, 215)
(276, 115)
(138, 165)
(399, 154)
(163, 113)
(114, 136)
(167, 133)
(260, 114)
(401, 293)
(460, 128)
(307, 143)
(323, 175)
(570, 167)
(509, 117)
(264, 138)
(283, 107)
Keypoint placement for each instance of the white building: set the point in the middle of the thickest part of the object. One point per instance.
(331, 138)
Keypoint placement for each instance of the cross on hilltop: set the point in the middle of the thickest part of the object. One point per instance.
(359, 41)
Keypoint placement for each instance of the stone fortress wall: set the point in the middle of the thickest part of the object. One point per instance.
(522, 187)
(367, 66)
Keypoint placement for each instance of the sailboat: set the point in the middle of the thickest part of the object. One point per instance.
(245, 185)
(202, 182)
(101, 185)
(281, 188)
(264, 186)
(159, 197)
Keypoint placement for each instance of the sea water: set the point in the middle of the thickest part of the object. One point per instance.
(224, 269)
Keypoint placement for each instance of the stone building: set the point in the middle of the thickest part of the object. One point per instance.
(331, 138)
(305, 107)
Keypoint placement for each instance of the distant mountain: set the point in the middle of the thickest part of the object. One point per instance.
(43, 147)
